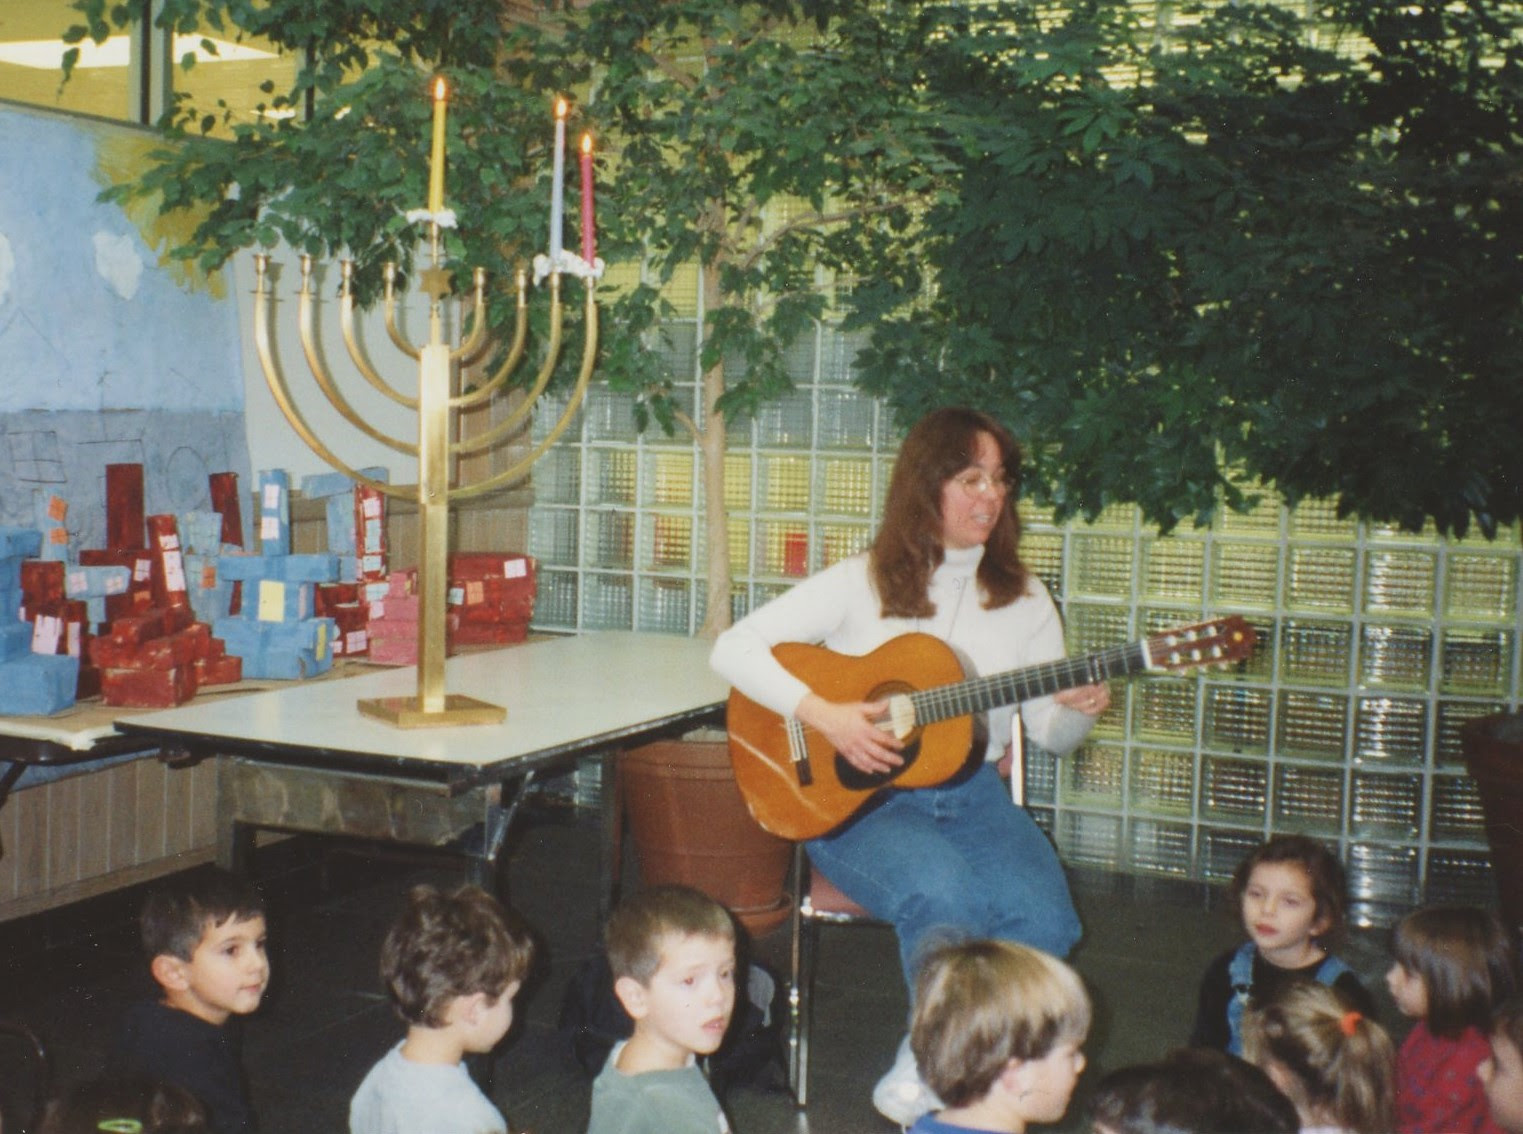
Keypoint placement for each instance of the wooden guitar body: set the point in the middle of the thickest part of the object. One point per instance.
(933, 752)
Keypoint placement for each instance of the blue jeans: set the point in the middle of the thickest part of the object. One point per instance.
(959, 861)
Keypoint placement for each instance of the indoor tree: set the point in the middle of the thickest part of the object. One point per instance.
(1265, 243)
(773, 143)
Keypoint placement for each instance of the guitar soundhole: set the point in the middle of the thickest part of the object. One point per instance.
(853, 778)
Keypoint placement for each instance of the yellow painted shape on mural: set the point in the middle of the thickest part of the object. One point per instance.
(121, 156)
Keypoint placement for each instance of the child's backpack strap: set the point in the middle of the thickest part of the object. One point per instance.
(1330, 970)
(1240, 980)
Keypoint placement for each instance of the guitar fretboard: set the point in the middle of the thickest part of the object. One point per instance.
(963, 698)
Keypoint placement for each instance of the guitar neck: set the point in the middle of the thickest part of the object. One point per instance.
(979, 694)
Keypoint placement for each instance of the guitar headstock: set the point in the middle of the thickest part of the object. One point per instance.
(1221, 641)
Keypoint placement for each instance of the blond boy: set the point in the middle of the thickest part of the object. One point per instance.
(672, 953)
(452, 964)
(997, 1033)
(204, 934)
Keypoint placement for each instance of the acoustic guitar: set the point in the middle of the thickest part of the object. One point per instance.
(798, 786)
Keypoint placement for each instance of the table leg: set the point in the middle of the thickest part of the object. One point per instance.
(610, 834)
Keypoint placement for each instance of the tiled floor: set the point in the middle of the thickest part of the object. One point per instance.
(326, 1021)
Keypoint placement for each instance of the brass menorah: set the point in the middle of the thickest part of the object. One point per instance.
(437, 408)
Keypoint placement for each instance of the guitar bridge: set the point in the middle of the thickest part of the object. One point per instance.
(798, 752)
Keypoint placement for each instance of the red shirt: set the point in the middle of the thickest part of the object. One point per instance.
(1437, 1091)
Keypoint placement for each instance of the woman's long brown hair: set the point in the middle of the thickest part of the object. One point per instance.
(908, 546)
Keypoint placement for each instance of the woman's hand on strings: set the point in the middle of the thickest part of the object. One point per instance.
(1090, 699)
(855, 730)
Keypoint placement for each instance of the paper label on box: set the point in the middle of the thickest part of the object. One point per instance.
(58, 509)
(45, 634)
(372, 535)
(272, 495)
(272, 600)
(169, 541)
(456, 596)
(116, 584)
(370, 507)
(208, 576)
(515, 568)
(322, 640)
(356, 642)
(376, 592)
(142, 569)
(174, 572)
(75, 630)
(58, 535)
(76, 583)
(475, 592)
(269, 527)
(372, 565)
(377, 609)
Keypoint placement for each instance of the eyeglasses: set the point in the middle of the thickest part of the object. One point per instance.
(977, 483)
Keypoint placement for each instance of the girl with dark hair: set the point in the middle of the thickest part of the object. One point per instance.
(957, 859)
(1453, 965)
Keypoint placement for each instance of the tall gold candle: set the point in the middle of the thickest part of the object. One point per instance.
(436, 154)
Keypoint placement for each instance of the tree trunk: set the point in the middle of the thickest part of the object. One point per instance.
(711, 443)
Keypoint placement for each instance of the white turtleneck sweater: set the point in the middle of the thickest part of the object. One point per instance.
(839, 608)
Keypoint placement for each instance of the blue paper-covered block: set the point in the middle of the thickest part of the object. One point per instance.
(209, 602)
(200, 532)
(340, 519)
(48, 512)
(275, 512)
(38, 684)
(241, 636)
(15, 638)
(96, 582)
(19, 543)
(315, 486)
(315, 568)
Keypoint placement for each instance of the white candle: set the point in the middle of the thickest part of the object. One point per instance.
(557, 187)
(436, 150)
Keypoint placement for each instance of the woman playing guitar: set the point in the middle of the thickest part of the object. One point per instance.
(956, 859)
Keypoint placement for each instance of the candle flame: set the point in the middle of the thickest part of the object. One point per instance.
(441, 92)
(560, 108)
(586, 143)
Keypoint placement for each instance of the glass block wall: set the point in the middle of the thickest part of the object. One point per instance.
(1375, 645)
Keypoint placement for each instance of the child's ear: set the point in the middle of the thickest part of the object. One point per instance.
(170, 972)
(1015, 1078)
(632, 994)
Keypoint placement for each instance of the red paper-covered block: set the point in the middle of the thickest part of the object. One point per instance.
(328, 597)
(167, 576)
(369, 534)
(148, 688)
(139, 628)
(493, 633)
(224, 669)
(124, 507)
(42, 581)
(491, 565)
(177, 618)
(352, 624)
(60, 627)
(224, 493)
(175, 650)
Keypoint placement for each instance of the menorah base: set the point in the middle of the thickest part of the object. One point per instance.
(407, 712)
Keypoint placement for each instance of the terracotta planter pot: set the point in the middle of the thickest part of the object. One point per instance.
(691, 826)
(1494, 754)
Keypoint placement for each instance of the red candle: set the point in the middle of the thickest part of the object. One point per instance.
(589, 239)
